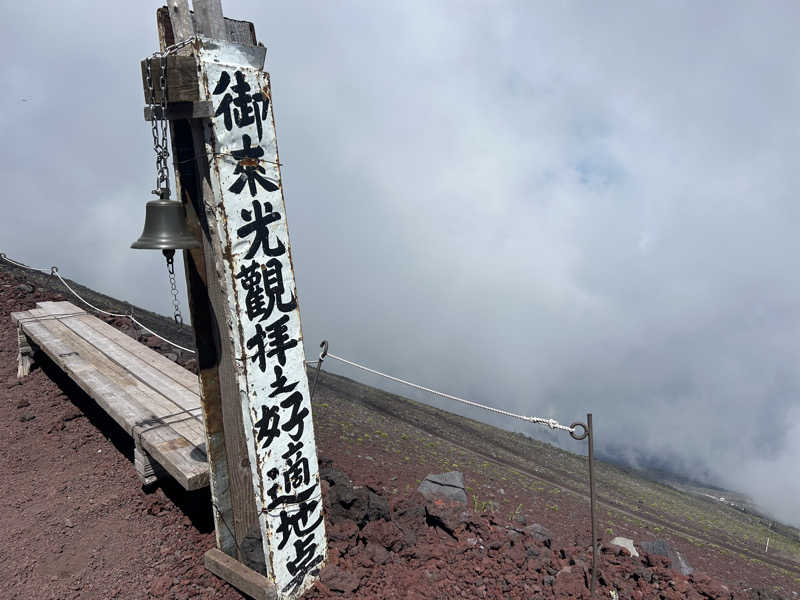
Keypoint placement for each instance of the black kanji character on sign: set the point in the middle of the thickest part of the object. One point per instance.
(274, 288)
(258, 222)
(254, 301)
(296, 418)
(267, 426)
(279, 385)
(292, 448)
(279, 340)
(246, 106)
(276, 500)
(297, 522)
(258, 341)
(249, 170)
(296, 474)
(303, 562)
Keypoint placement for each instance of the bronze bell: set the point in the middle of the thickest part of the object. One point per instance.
(165, 226)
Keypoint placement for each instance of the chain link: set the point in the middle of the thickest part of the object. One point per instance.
(158, 125)
(176, 307)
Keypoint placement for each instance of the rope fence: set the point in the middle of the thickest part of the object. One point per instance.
(551, 423)
(54, 271)
(587, 429)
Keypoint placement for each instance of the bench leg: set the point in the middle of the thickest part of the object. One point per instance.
(148, 469)
(24, 354)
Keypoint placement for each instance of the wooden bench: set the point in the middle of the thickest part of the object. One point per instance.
(152, 398)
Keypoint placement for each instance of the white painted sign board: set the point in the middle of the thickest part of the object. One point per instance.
(255, 267)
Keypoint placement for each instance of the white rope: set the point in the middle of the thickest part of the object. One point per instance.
(54, 271)
(551, 423)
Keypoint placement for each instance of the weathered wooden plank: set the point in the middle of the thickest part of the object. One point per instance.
(181, 75)
(235, 515)
(220, 389)
(208, 19)
(248, 581)
(184, 420)
(270, 365)
(184, 461)
(136, 366)
(24, 355)
(176, 445)
(241, 32)
(171, 369)
(180, 110)
(70, 354)
(181, 19)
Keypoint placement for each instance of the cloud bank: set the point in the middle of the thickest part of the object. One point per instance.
(551, 209)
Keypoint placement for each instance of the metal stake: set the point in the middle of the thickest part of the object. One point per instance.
(588, 431)
(324, 345)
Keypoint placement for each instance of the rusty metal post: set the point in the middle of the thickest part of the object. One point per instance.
(590, 432)
(323, 354)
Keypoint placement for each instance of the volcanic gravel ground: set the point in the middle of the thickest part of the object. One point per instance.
(76, 522)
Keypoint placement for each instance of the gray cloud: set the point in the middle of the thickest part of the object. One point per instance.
(550, 209)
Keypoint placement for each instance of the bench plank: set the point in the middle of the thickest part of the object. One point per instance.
(148, 397)
(183, 376)
(182, 399)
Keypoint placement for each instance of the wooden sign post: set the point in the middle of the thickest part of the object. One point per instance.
(260, 441)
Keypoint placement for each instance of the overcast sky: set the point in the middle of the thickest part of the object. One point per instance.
(549, 208)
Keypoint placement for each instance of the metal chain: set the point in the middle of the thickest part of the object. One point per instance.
(176, 307)
(164, 176)
(158, 125)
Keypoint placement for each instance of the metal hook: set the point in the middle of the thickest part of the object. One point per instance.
(322, 355)
(581, 425)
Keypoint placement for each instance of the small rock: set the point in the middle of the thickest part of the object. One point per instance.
(172, 356)
(626, 543)
(68, 523)
(444, 486)
(26, 418)
(539, 533)
(664, 549)
(377, 553)
(23, 404)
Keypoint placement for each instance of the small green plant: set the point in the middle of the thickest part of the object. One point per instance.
(516, 512)
(482, 507)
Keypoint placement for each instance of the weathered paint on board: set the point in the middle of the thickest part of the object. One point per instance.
(257, 271)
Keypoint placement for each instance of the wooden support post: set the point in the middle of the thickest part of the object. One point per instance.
(149, 470)
(235, 517)
(24, 354)
(259, 433)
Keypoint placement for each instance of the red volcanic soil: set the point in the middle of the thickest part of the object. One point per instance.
(75, 521)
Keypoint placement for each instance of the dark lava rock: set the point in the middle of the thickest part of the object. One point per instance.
(540, 534)
(339, 580)
(358, 504)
